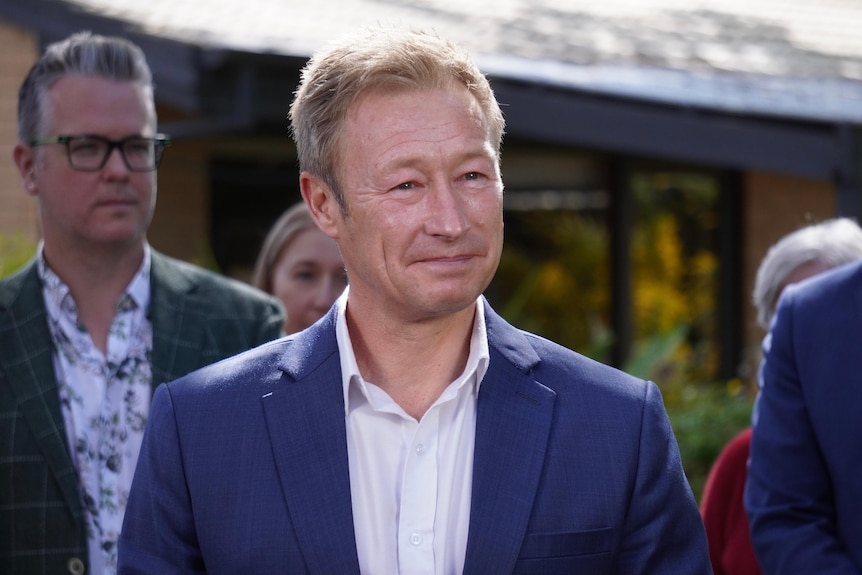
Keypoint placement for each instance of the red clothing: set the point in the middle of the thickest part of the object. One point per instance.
(730, 549)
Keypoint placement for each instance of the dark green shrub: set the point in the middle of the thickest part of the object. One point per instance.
(704, 418)
(704, 415)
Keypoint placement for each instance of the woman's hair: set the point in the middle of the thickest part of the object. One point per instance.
(376, 59)
(829, 244)
(82, 54)
(282, 232)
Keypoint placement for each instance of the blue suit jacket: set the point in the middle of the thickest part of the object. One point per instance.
(244, 468)
(804, 490)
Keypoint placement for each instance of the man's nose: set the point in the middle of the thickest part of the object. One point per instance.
(116, 162)
(446, 216)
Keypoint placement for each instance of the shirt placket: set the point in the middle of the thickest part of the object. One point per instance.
(112, 436)
(419, 499)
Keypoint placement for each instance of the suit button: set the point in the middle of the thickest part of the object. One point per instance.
(75, 566)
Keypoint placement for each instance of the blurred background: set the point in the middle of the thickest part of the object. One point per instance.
(655, 149)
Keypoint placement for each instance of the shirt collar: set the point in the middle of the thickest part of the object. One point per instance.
(139, 288)
(477, 360)
(56, 289)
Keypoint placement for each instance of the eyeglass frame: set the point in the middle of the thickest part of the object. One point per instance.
(160, 142)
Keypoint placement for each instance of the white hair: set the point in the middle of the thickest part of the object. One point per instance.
(829, 244)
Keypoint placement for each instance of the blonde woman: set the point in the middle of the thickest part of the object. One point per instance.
(301, 266)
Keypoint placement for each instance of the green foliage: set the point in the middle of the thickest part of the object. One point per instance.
(704, 415)
(674, 253)
(654, 356)
(553, 279)
(704, 418)
(15, 251)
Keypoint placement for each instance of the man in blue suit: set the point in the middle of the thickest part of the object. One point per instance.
(410, 430)
(804, 489)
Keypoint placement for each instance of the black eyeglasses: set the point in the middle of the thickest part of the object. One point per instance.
(89, 153)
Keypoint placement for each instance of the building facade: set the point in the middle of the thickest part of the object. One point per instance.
(629, 217)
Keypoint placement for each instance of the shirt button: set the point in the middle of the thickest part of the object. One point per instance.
(420, 449)
(415, 539)
(75, 566)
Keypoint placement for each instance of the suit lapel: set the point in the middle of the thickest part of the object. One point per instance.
(28, 364)
(512, 427)
(305, 419)
(178, 338)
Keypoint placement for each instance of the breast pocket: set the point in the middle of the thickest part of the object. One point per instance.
(582, 552)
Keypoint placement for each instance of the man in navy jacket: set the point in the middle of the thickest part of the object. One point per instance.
(411, 430)
(804, 490)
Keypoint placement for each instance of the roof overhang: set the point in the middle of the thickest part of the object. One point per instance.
(636, 112)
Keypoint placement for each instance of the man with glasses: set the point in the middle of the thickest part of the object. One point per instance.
(98, 318)
(90, 153)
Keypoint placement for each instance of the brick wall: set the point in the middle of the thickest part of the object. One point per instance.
(773, 206)
(18, 213)
(180, 226)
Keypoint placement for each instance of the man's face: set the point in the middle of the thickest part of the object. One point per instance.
(112, 205)
(422, 187)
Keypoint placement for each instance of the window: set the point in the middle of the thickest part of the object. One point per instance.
(632, 263)
(247, 198)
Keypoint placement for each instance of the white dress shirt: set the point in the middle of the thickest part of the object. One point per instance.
(411, 481)
(105, 399)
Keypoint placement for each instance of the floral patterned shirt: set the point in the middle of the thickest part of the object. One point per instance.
(105, 400)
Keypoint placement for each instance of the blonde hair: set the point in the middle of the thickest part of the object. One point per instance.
(283, 231)
(377, 58)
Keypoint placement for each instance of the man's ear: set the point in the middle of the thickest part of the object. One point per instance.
(321, 202)
(25, 158)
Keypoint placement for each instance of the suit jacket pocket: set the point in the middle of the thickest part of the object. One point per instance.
(546, 545)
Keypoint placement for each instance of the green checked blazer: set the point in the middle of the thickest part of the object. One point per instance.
(198, 318)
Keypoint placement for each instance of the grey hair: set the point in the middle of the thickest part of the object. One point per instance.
(376, 58)
(830, 243)
(83, 54)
